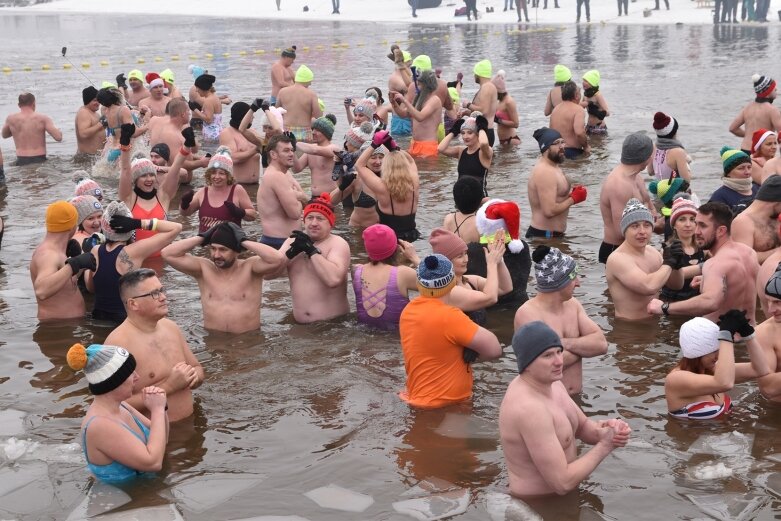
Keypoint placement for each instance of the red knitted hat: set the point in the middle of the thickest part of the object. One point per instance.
(323, 206)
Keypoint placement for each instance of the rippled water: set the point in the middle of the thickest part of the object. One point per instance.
(296, 408)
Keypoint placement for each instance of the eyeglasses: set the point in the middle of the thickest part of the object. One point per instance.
(155, 294)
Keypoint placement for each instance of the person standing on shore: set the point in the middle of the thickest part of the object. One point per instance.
(335, 4)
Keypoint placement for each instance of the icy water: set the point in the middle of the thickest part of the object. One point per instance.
(295, 415)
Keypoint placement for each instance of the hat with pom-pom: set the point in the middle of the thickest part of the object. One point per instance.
(732, 157)
(499, 81)
(221, 159)
(325, 126)
(115, 208)
(86, 186)
(496, 215)
(698, 337)
(106, 367)
(86, 205)
(553, 269)
(367, 107)
(150, 77)
(435, 276)
(666, 189)
(322, 205)
(634, 211)
(141, 166)
(763, 85)
(664, 125)
(357, 136)
(682, 206)
(773, 286)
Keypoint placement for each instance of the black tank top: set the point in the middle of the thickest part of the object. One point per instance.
(469, 164)
(108, 303)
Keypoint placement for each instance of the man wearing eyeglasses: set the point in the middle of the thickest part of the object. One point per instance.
(162, 355)
(231, 288)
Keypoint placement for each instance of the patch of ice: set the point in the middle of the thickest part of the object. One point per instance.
(727, 444)
(203, 493)
(503, 507)
(101, 498)
(437, 506)
(339, 498)
(25, 488)
(161, 513)
(11, 422)
(729, 506)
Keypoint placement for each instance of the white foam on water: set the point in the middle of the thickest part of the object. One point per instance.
(504, 507)
(25, 488)
(340, 498)
(728, 444)
(11, 420)
(160, 513)
(203, 493)
(13, 449)
(709, 470)
(437, 506)
(100, 499)
(729, 506)
(467, 426)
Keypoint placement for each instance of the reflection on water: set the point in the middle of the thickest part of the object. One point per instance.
(297, 408)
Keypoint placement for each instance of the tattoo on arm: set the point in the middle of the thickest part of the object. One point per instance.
(125, 259)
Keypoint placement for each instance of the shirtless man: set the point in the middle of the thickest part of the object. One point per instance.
(760, 113)
(137, 91)
(317, 265)
(539, 422)
(728, 277)
(301, 104)
(399, 81)
(319, 156)
(561, 75)
(157, 101)
(765, 272)
(486, 100)
(768, 334)
(29, 129)
(162, 355)
(550, 193)
(569, 118)
(231, 288)
(53, 273)
(90, 127)
(425, 111)
(246, 159)
(168, 129)
(554, 304)
(757, 225)
(280, 197)
(422, 63)
(282, 74)
(636, 272)
(622, 184)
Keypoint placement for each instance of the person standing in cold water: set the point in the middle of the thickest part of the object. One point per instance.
(760, 113)
(29, 129)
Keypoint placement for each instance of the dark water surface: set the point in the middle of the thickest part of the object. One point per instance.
(295, 408)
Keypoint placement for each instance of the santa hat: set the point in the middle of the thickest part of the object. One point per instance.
(151, 76)
(496, 215)
(758, 137)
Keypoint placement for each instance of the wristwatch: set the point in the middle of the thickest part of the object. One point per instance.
(666, 308)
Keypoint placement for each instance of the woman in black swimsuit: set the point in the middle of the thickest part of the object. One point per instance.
(476, 154)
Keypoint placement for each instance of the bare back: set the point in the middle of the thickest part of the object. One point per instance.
(569, 119)
(300, 103)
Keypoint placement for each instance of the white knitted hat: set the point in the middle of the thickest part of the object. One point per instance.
(699, 337)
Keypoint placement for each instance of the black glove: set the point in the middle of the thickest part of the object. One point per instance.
(470, 355)
(92, 241)
(187, 198)
(293, 250)
(482, 123)
(103, 121)
(235, 211)
(121, 81)
(207, 235)
(194, 105)
(85, 261)
(674, 256)
(189, 137)
(497, 120)
(348, 102)
(730, 323)
(346, 181)
(122, 224)
(73, 249)
(126, 132)
(292, 138)
(258, 103)
(306, 243)
(456, 128)
(238, 233)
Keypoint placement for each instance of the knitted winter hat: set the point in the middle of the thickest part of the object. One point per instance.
(499, 81)
(665, 189)
(304, 74)
(88, 94)
(168, 75)
(773, 286)
(141, 166)
(278, 114)
(496, 215)
(763, 85)
(446, 243)
(545, 137)
(698, 337)
(323, 206)
(221, 159)
(238, 111)
(483, 69)
(106, 367)
(357, 136)
(634, 211)
(380, 241)
(470, 123)
(115, 208)
(135, 74)
(162, 150)
(205, 81)
(664, 125)
(732, 157)
(367, 107)
(435, 276)
(759, 136)
(561, 74)
(531, 340)
(592, 77)
(86, 205)
(553, 269)
(86, 186)
(422, 63)
(682, 206)
(61, 216)
(637, 148)
(770, 190)
(325, 126)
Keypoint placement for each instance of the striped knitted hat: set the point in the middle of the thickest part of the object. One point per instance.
(435, 276)
(731, 157)
(664, 125)
(763, 85)
(106, 367)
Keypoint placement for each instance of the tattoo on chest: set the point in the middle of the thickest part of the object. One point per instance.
(125, 260)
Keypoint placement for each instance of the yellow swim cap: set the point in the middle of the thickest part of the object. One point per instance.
(108, 85)
(592, 77)
(483, 69)
(561, 74)
(304, 74)
(135, 74)
(422, 63)
(454, 95)
(406, 55)
(167, 75)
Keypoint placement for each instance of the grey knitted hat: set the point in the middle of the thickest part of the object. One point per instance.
(553, 269)
(636, 149)
(773, 286)
(531, 340)
(634, 211)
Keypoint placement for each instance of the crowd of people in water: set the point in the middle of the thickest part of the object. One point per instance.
(719, 257)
